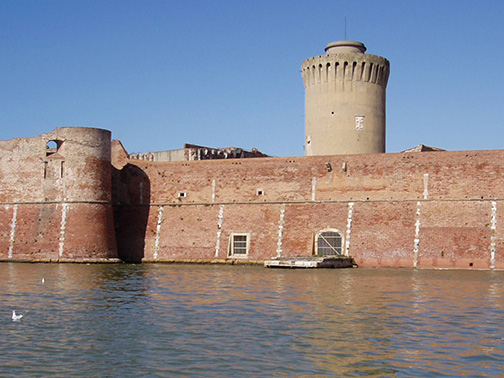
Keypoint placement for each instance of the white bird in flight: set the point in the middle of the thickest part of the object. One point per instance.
(16, 317)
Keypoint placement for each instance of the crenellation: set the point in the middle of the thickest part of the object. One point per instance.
(327, 68)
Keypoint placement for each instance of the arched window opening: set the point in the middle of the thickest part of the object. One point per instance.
(345, 71)
(372, 77)
(329, 242)
(379, 80)
(53, 146)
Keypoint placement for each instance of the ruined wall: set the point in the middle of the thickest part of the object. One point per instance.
(55, 200)
(434, 209)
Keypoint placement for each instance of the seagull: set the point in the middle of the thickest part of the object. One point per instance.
(43, 280)
(16, 318)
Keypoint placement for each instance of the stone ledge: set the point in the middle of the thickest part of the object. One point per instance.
(62, 260)
(203, 261)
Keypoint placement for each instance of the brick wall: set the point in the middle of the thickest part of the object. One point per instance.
(55, 196)
(430, 209)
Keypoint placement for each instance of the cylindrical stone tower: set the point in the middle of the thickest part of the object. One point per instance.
(77, 179)
(345, 100)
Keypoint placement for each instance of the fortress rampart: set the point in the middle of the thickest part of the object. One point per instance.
(55, 202)
(430, 209)
(418, 209)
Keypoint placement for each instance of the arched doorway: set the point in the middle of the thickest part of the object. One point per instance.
(329, 242)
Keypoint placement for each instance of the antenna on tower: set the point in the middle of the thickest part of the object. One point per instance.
(345, 29)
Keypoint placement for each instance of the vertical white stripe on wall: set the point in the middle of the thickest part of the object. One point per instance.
(220, 221)
(13, 231)
(158, 232)
(426, 186)
(416, 243)
(349, 228)
(314, 188)
(280, 231)
(493, 237)
(64, 211)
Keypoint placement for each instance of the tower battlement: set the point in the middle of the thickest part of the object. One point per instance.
(346, 67)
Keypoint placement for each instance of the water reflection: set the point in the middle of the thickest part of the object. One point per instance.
(187, 320)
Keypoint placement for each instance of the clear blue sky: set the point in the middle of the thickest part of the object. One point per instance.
(221, 73)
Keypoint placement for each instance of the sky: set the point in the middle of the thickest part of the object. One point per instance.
(225, 73)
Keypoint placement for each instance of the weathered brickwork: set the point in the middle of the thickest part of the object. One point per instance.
(383, 226)
(55, 198)
(434, 209)
(85, 200)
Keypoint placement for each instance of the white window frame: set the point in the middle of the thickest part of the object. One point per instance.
(231, 246)
(320, 233)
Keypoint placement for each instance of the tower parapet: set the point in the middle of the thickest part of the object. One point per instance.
(345, 100)
(77, 164)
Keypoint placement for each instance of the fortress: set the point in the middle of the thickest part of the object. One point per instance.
(75, 195)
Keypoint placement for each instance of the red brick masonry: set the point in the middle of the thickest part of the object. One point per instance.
(427, 209)
(89, 202)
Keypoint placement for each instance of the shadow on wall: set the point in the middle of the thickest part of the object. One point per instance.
(131, 199)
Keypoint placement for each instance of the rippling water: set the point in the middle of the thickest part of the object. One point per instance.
(193, 320)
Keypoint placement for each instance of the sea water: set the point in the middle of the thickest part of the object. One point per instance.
(244, 321)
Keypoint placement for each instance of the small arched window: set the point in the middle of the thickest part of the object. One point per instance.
(53, 146)
(329, 242)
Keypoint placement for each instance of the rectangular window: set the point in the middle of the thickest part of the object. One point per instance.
(239, 245)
